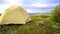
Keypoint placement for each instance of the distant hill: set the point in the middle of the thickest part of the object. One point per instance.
(31, 14)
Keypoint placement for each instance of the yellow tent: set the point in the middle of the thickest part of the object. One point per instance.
(14, 15)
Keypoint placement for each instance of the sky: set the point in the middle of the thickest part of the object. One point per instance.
(31, 6)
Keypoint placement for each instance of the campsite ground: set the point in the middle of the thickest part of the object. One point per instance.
(40, 24)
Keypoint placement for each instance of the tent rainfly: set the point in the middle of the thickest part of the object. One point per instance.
(14, 15)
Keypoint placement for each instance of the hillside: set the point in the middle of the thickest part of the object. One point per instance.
(40, 24)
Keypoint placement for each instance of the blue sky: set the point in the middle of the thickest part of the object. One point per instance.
(31, 6)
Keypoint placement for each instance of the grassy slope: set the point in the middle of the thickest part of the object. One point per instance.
(33, 27)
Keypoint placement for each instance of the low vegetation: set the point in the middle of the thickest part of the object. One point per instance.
(40, 24)
(33, 27)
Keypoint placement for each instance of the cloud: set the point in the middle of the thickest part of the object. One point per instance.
(32, 6)
(45, 3)
(11, 2)
(3, 1)
(29, 10)
(32, 10)
(39, 5)
(15, 2)
(42, 5)
(53, 2)
(6, 4)
(39, 10)
(4, 7)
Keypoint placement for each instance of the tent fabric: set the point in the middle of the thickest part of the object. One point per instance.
(14, 15)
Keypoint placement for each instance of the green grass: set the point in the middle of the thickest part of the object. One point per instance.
(29, 28)
(33, 27)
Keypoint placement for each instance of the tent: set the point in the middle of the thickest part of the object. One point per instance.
(14, 15)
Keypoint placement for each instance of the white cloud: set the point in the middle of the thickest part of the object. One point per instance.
(40, 4)
(32, 11)
(29, 10)
(4, 7)
(26, 4)
(9, 3)
(15, 2)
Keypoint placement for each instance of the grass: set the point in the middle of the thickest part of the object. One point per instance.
(40, 24)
